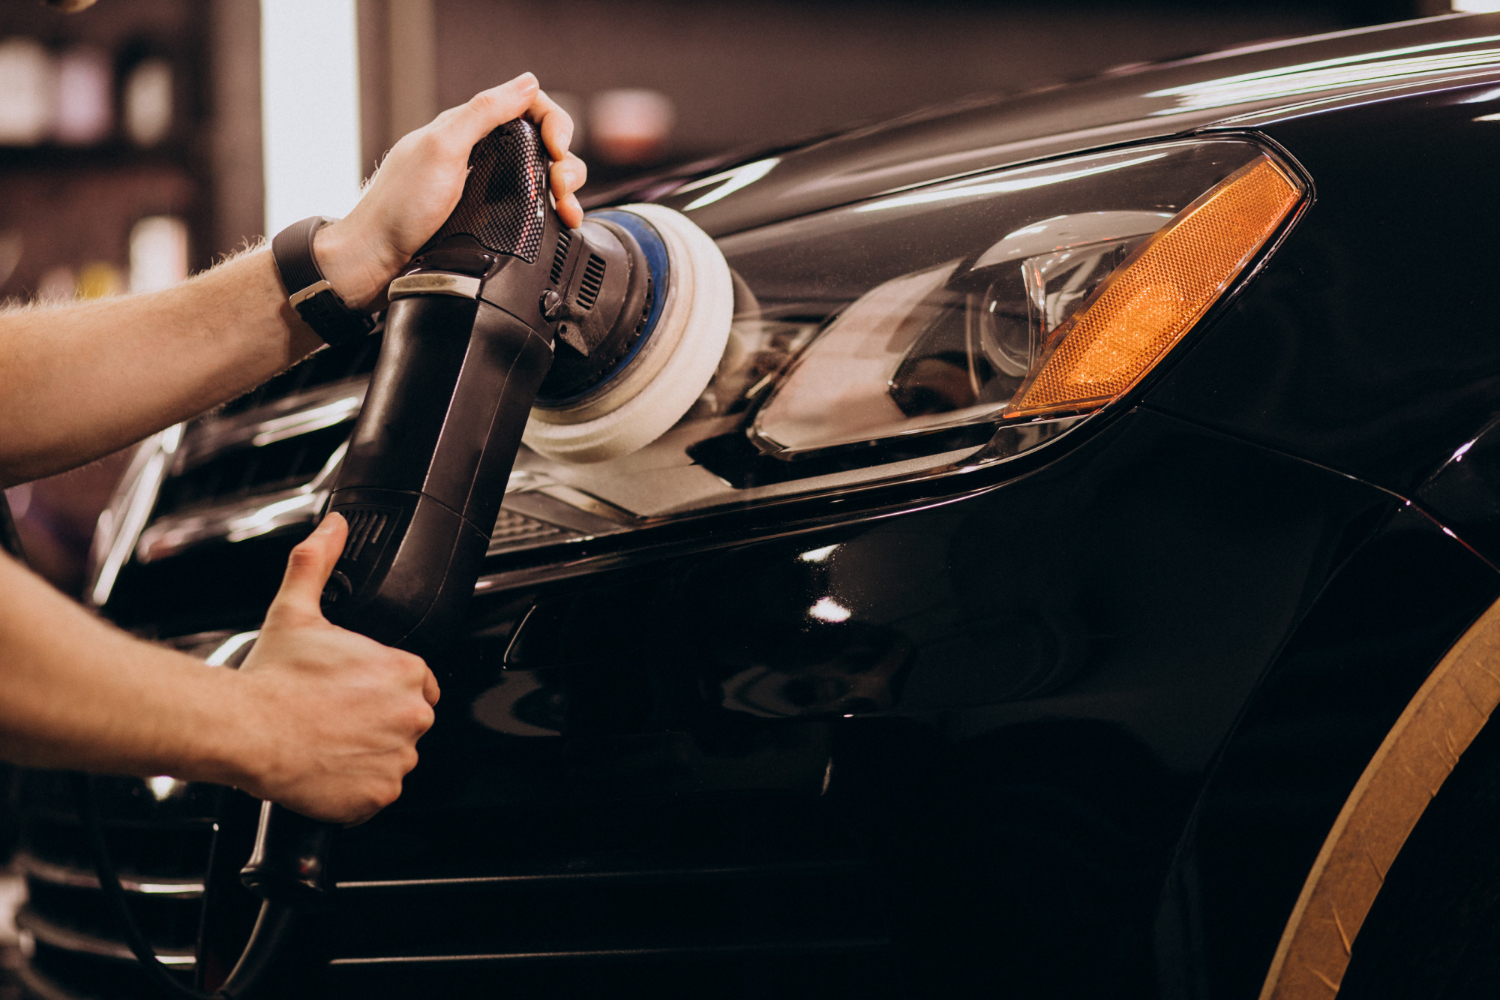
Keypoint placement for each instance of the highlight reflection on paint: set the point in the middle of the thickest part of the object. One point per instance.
(829, 610)
(729, 182)
(164, 786)
(1330, 74)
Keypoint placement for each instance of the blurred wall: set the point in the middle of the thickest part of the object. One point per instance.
(233, 128)
(760, 71)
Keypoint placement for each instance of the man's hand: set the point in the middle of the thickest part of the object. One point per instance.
(340, 714)
(421, 180)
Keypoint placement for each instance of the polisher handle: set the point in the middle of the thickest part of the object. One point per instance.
(465, 350)
(425, 471)
(504, 204)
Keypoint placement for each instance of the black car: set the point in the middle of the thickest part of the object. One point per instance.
(1074, 583)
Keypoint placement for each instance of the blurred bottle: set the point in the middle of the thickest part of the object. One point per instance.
(20, 500)
(85, 97)
(630, 126)
(148, 106)
(57, 284)
(55, 518)
(27, 92)
(158, 253)
(99, 280)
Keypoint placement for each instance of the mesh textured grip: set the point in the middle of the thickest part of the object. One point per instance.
(504, 202)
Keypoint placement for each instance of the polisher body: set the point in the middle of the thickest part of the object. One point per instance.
(475, 324)
(425, 472)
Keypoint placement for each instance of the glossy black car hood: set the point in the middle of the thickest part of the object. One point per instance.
(1253, 84)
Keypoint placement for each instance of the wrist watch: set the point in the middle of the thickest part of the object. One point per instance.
(309, 292)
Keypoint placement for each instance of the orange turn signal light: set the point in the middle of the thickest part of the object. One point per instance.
(1153, 299)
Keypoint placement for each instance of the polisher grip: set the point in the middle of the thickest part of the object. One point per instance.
(504, 203)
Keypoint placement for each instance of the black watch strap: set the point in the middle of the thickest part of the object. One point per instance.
(309, 292)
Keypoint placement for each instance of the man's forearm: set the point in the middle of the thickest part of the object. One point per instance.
(82, 381)
(78, 693)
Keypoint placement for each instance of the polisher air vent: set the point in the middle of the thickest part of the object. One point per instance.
(593, 280)
(365, 527)
(560, 256)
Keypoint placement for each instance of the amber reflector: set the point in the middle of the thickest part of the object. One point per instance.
(1156, 296)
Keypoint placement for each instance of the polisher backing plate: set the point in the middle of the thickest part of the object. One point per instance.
(672, 368)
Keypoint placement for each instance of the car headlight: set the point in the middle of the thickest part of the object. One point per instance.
(942, 328)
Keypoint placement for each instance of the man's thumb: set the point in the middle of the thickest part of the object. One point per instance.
(309, 565)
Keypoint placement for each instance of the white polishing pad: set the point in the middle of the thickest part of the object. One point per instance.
(673, 367)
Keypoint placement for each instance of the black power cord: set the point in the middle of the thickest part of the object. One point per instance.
(273, 928)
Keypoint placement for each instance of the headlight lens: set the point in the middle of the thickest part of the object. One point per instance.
(1152, 299)
(946, 346)
(941, 328)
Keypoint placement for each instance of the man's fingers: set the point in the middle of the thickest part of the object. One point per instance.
(492, 108)
(489, 109)
(570, 211)
(466, 125)
(430, 689)
(309, 565)
(556, 125)
(569, 174)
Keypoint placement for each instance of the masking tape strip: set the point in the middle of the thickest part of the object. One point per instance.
(1405, 774)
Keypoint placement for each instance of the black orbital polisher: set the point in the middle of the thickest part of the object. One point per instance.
(609, 332)
(603, 337)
